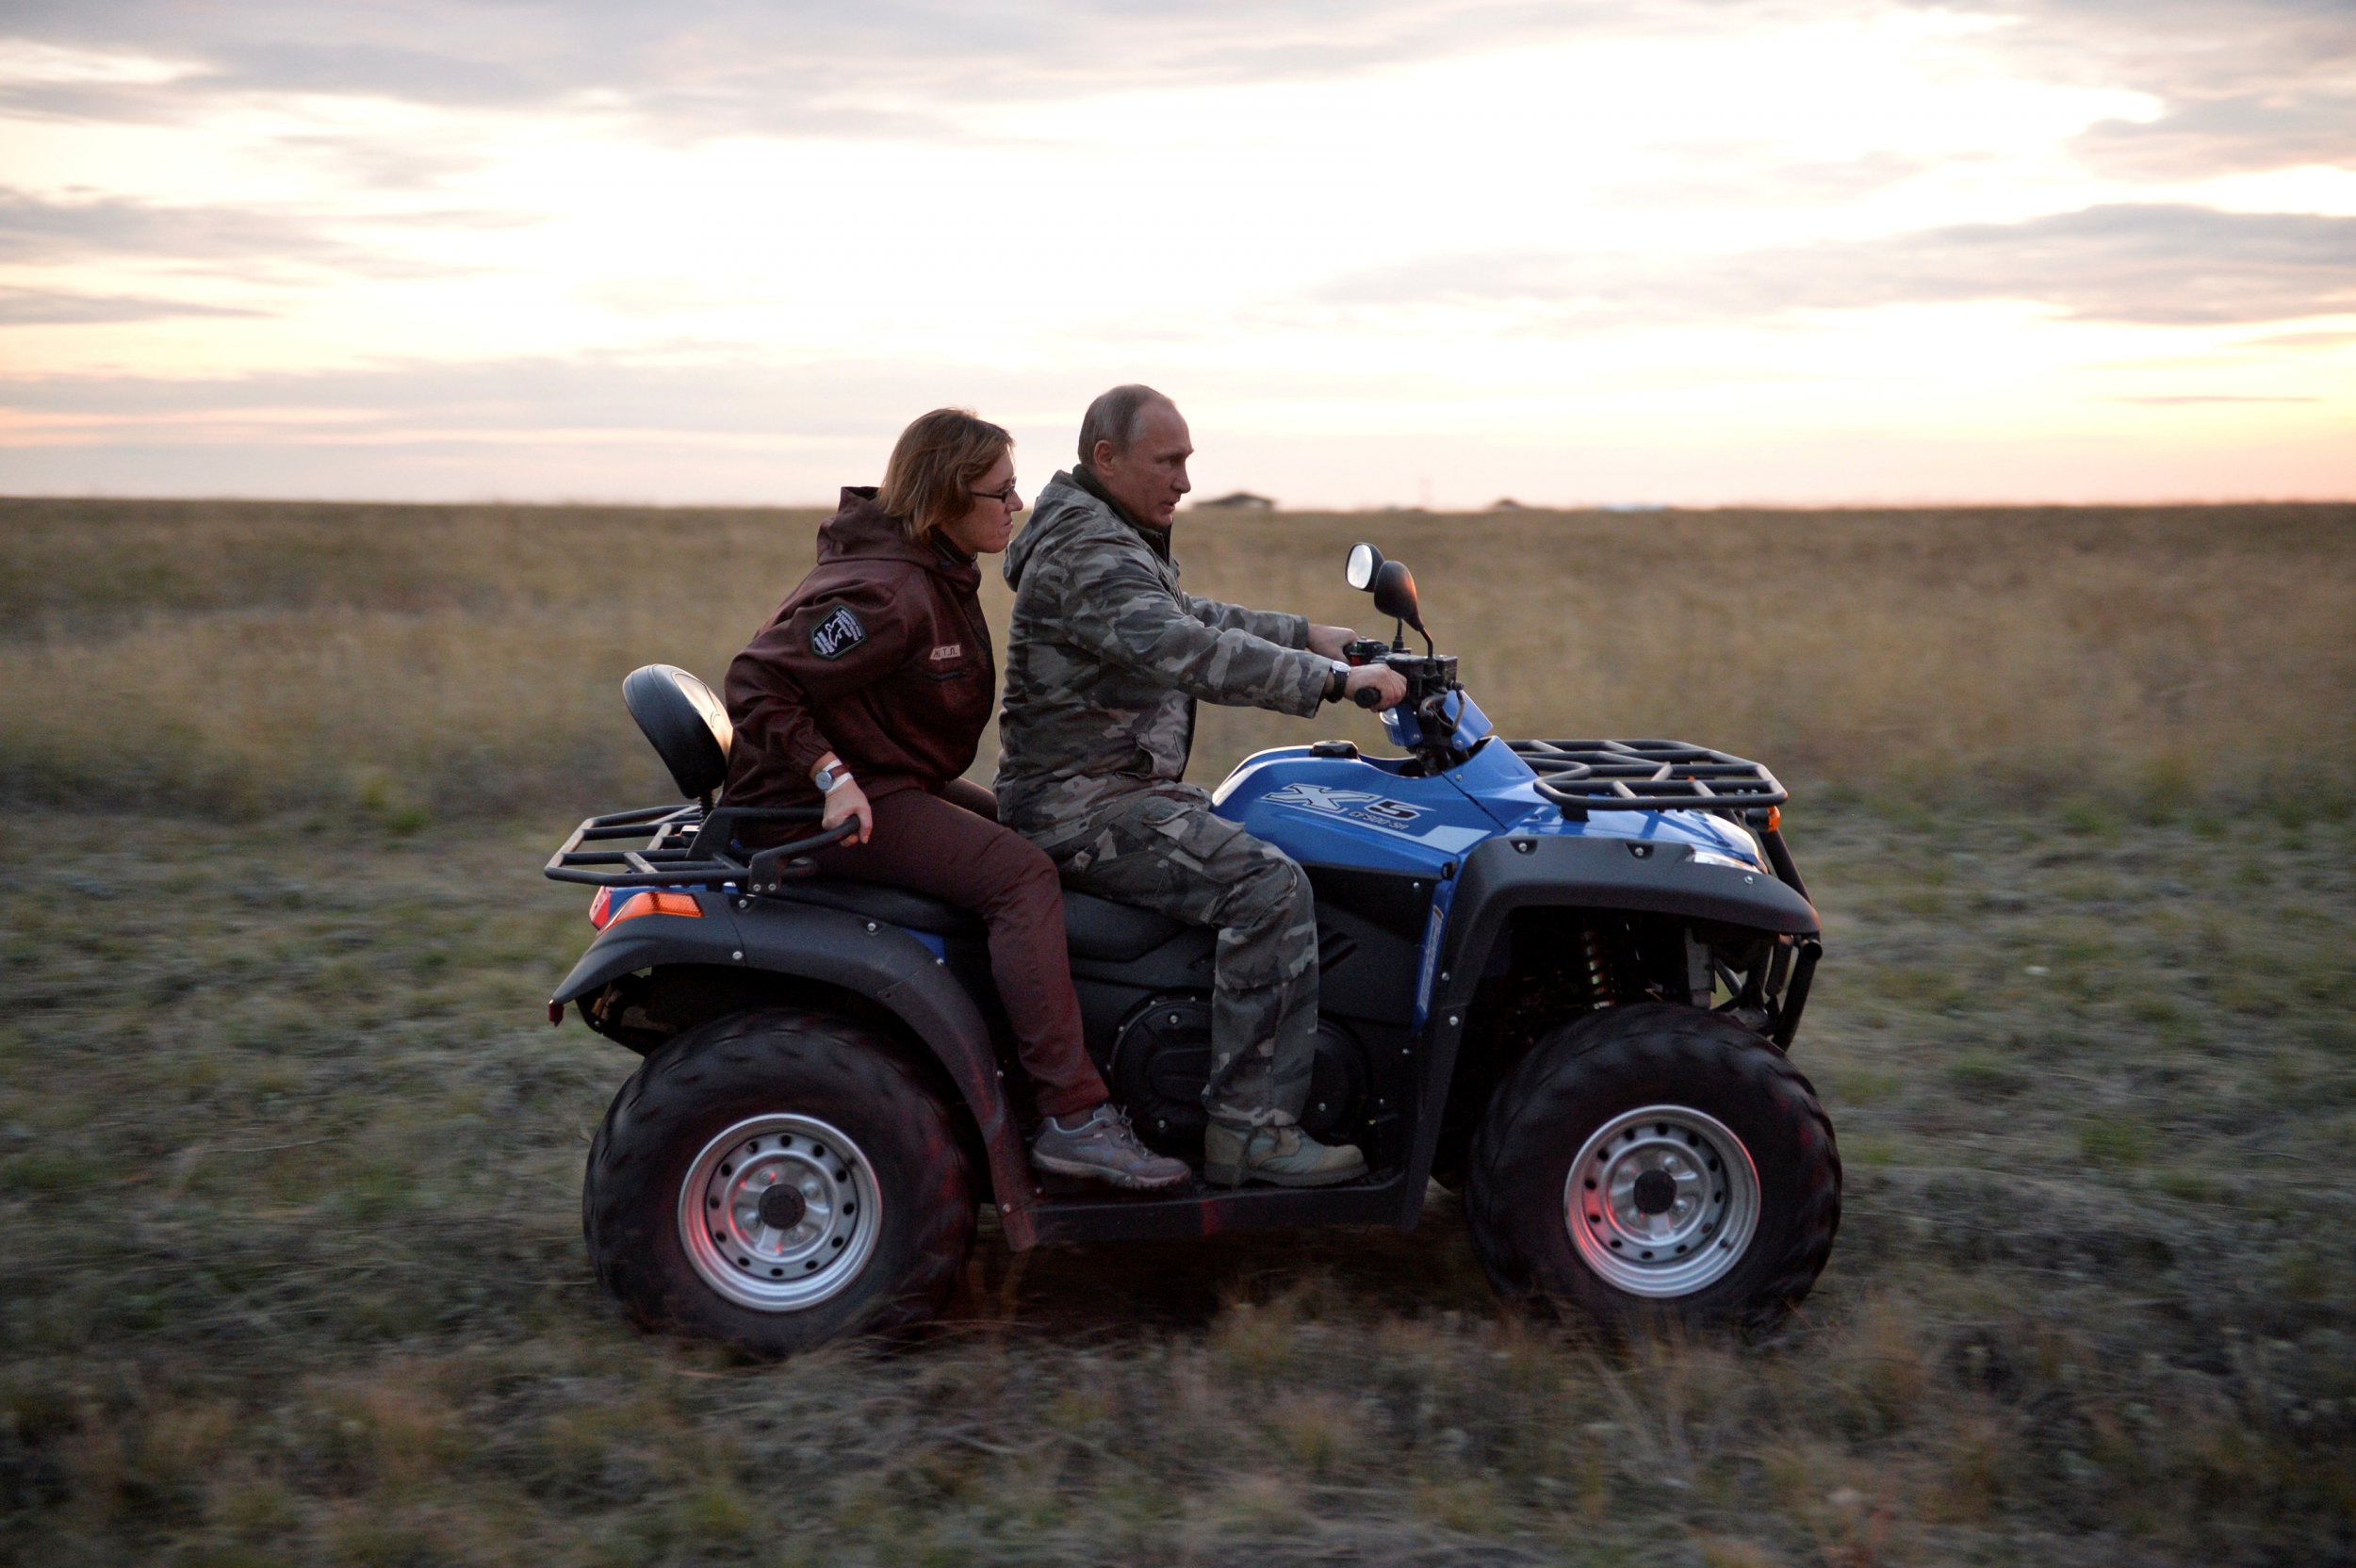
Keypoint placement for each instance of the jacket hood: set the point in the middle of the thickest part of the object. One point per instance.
(862, 530)
(1064, 512)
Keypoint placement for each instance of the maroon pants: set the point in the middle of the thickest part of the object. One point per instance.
(950, 847)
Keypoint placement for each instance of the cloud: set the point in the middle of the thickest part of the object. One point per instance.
(714, 395)
(2227, 136)
(718, 66)
(2302, 340)
(418, 161)
(2241, 84)
(694, 394)
(20, 306)
(104, 103)
(2156, 264)
(706, 422)
(732, 427)
(235, 240)
(2244, 85)
(1732, 176)
(2165, 399)
(33, 229)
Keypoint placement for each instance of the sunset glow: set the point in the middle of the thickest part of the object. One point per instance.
(1442, 252)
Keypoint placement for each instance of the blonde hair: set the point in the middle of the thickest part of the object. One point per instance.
(934, 465)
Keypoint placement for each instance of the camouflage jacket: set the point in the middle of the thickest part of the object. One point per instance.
(1107, 655)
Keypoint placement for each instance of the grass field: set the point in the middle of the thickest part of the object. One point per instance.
(426, 663)
(290, 1267)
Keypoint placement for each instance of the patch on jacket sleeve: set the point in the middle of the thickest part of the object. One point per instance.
(838, 634)
(948, 651)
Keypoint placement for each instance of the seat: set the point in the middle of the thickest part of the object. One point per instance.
(892, 906)
(1100, 929)
(1093, 927)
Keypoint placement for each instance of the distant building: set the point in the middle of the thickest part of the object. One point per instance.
(1507, 503)
(1242, 500)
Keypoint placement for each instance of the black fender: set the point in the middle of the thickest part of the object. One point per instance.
(1545, 870)
(870, 957)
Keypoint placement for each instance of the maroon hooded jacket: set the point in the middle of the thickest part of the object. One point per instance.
(881, 654)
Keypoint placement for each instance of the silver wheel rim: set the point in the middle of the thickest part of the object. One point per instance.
(779, 1213)
(1661, 1201)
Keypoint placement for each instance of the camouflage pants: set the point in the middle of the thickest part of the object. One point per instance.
(1166, 851)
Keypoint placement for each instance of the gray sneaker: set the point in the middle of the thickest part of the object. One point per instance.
(1106, 1148)
(1280, 1155)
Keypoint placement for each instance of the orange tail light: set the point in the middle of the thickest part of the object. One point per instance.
(604, 911)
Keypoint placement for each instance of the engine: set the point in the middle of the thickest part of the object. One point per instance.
(1161, 1059)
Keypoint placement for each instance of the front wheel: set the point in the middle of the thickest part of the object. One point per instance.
(1654, 1164)
(774, 1180)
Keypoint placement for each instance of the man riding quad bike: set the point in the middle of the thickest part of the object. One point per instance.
(1561, 975)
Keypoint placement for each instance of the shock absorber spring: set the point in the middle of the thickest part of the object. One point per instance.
(1599, 992)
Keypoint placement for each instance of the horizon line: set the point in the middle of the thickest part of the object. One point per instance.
(1620, 507)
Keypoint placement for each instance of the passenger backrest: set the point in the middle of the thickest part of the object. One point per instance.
(685, 723)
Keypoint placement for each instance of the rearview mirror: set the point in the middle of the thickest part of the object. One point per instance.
(1394, 592)
(1364, 561)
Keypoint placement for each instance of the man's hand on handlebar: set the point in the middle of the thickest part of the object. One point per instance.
(1375, 686)
(1327, 642)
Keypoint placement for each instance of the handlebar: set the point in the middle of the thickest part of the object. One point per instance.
(772, 868)
(1365, 697)
(834, 835)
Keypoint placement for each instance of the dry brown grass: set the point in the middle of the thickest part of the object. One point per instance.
(421, 662)
(290, 1267)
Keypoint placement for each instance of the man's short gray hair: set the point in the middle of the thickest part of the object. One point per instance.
(1114, 417)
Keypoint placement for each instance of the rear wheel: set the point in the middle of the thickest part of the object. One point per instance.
(775, 1180)
(1651, 1165)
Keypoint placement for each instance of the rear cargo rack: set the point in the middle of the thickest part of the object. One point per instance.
(687, 846)
(1646, 775)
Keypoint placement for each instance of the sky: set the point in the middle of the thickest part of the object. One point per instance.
(1689, 252)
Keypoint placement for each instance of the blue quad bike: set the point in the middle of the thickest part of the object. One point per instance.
(1559, 976)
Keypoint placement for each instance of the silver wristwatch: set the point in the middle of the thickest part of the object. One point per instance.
(830, 775)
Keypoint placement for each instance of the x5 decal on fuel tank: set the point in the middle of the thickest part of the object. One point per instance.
(1344, 803)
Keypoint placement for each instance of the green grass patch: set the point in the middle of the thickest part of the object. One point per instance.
(2115, 1141)
(1985, 1075)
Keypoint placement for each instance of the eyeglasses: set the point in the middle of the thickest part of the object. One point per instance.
(1004, 497)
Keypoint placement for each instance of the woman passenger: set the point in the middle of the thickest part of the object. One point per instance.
(868, 691)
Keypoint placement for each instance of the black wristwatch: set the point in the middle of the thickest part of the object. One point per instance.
(1338, 682)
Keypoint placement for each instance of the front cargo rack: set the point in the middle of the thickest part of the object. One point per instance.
(687, 846)
(1646, 775)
